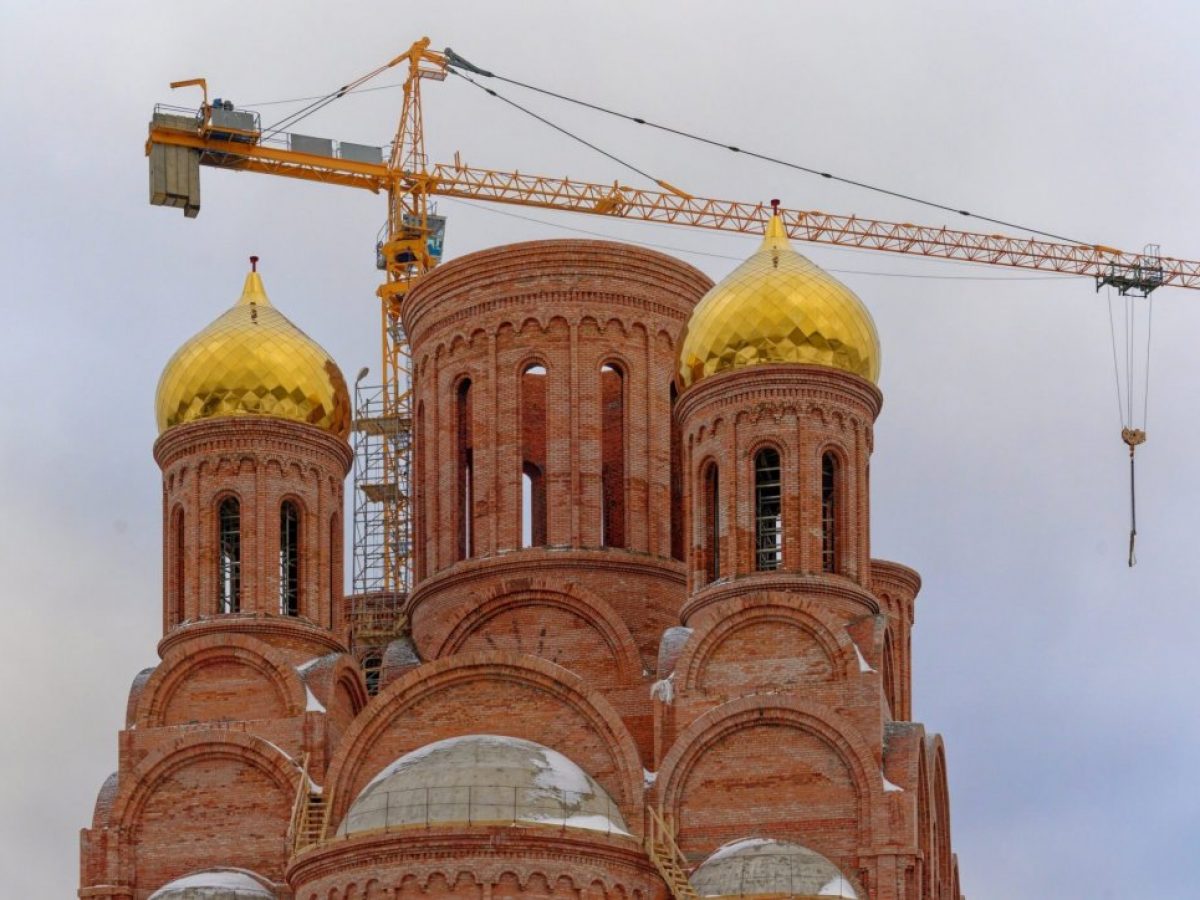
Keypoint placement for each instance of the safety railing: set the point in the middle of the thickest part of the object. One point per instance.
(384, 810)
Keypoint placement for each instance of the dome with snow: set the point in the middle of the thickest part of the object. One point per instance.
(480, 779)
(216, 884)
(757, 866)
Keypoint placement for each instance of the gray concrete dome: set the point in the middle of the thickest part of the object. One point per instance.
(756, 866)
(216, 884)
(483, 779)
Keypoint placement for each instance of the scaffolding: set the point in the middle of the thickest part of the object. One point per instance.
(382, 565)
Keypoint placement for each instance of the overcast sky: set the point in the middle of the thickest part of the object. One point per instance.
(1064, 682)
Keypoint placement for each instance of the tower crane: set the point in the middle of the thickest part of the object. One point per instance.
(219, 135)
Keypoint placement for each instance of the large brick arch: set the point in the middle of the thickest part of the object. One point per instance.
(762, 641)
(474, 693)
(792, 748)
(581, 624)
(185, 801)
(226, 676)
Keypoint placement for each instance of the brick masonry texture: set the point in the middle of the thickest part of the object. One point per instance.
(741, 703)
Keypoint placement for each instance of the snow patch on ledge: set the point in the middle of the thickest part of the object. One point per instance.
(648, 777)
(863, 665)
(312, 704)
(888, 786)
(664, 689)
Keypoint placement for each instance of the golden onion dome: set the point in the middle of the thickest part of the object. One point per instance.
(778, 306)
(253, 361)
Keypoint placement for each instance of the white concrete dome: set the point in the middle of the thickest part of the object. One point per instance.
(216, 884)
(756, 866)
(481, 779)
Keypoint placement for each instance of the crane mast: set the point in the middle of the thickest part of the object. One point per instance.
(219, 136)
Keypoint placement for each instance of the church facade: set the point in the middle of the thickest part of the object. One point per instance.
(647, 653)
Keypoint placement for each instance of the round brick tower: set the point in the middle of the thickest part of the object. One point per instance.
(542, 380)
(253, 416)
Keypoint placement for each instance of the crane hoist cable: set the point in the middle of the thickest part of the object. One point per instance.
(454, 62)
(1125, 373)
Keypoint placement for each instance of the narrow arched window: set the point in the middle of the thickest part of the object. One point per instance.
(419, 500)
(768, 510)
(289, 559)
(466, 473)
(533, 456)
(229, 556)
(711, 500)
(612, 456)
(829, 513)
(676, 481)
(178, 570)
(335, 564)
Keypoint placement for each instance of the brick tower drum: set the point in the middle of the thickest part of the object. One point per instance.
(543, 390)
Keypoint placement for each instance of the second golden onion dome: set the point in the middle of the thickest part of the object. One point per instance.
(778, 306)
(253, 361)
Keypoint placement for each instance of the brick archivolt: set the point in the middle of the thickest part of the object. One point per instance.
(558, 710)
(186, 665)
(194, 748)
(475, 621)
(783, 613)
(837, 596)
(837, 734)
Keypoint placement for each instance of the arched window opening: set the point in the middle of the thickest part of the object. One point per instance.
(335, 564)
(612, 456)
(829, 513)
(533, 456)
(889, 677)
(418, 487)
(289, 559)
(466, 475)
(372, 667)
(768, 510)
(178, 570)
(711, 500)
(676, 482)
(229, 556)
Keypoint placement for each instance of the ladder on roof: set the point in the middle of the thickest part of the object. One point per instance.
(308, 813)
(666, 855)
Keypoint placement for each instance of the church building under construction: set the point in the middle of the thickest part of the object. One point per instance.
(647, 653)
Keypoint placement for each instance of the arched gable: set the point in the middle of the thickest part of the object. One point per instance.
(473, 694)
(765, 749)
(568, 626)
(232, 782)
(225, 676)
(770, 640)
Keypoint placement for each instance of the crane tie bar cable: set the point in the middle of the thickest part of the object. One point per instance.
(455, 61)
(561, 130)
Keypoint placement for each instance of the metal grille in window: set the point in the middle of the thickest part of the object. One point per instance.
(768, 510)
(229, 557)
(289, 559)
(372, 666)
(829, 512)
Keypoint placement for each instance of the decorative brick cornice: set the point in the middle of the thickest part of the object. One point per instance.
(820, 587)
(779, 382)
(537, 269)
(553, 561)
(442, 849)
(265, 626)
(895, 578)
(258, 434)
